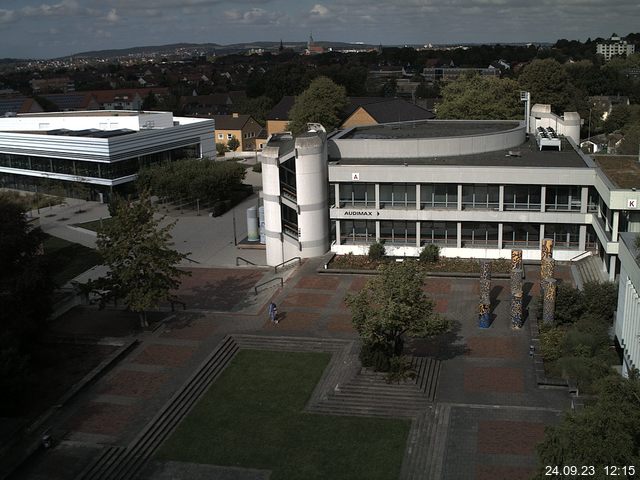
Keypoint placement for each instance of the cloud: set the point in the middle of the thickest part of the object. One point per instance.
(112, 16)
(256, 16)
(7, 16)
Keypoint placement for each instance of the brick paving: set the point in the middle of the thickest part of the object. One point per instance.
(497, 413)
(509, 437)
(134, 383)
(495, 379)
(168, 355)
(103, 418)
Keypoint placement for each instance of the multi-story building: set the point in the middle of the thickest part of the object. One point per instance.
(449, 74)
(613, 47)
(102, 149)
(475, 188)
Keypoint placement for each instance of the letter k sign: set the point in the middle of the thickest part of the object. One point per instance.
(632, 203)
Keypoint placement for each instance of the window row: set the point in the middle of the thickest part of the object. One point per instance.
(400, 232)
(82, 168)
(474, 196)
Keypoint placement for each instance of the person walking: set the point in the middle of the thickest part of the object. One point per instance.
(273, 312)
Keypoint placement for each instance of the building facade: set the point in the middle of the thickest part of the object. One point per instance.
(614, 47)
(475, 188)
(103, 150)
(627, 322)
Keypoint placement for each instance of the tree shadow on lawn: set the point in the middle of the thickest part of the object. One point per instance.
(442, 347)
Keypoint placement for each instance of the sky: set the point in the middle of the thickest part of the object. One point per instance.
(54, 28)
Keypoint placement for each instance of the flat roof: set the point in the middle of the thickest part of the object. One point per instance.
(90, 113)
(430, 129)
(622, 170)
(525, 155)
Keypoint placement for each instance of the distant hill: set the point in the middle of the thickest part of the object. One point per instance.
(207, 48)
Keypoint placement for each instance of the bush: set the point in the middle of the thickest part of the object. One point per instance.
(257, 167)
(586, 371)
(551, 343)
(430, 254)
(233, 144)
(221, 148)
(377, 251)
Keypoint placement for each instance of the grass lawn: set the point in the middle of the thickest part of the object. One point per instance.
(93, 225)
(252, 417)
(68, 260)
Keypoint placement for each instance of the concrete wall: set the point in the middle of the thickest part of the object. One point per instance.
(427, 147)
(627, 322)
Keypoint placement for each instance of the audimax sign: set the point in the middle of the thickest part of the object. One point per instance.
(360, 213)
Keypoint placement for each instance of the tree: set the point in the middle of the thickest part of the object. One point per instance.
(631, 141)
(25, 300)
(321, 103)
(233, 144)
(481, 98)
(549, 83)
(392, 305)
(150, 102)
(600, 435)
(142, 266)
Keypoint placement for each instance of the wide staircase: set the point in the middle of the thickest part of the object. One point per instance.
(589, 269)
(369, 393)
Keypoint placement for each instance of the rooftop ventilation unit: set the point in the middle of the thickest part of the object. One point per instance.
(547, 137)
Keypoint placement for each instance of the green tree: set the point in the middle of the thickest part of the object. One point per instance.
(392, 305)
(631, 141)
(549, 83)
(150, 102)
(602, 434)
(233, 144)
(482, 98)
(321, 103)
(142, 265)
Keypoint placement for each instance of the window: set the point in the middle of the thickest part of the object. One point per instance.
(521, 235)
(229, 136)
(483, 234)
(357, 231)
(397, 195)
(441, 233)
(563, 198)
(439, 195)
(522, 197)
(565, 236)
(220, 136)
(357, 195)
(289, 221)
(398, 232)
(479, 196)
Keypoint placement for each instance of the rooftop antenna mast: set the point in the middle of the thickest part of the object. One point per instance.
(526, 98)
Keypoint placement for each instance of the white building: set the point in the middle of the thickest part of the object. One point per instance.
(475, 188)
(627, 324)
(613, 47)
(104, 149)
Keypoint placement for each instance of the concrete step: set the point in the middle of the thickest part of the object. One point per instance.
(129, 461)
(362, 411)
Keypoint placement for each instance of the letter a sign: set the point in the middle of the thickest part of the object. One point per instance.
(355, 177)
(632, 203)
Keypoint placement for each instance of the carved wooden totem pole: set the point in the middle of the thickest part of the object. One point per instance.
(484, 307)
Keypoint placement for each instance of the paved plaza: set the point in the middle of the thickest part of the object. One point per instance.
(490, 411)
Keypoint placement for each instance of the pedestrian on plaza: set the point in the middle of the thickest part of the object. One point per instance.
(273, 312)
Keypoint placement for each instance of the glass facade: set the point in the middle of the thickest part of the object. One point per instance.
(439, 195)
(479, 234)
(357, 231)
(481, 197)
(563, 198)
(525, 235)
(83, 168)
(289, 221)
(565, 236)
(441, 233)
(398, 232)
(522, 197)
(357, 195)
(398, 195)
